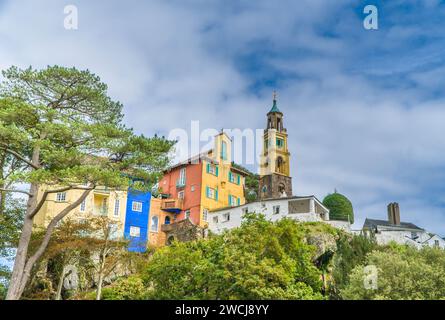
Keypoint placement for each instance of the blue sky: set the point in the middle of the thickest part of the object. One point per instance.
(364, 109)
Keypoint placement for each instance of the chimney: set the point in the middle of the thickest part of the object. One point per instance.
(394, 213)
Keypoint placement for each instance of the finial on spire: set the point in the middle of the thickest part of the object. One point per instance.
(275, 95)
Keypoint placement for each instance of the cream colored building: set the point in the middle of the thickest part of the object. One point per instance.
(100, 202)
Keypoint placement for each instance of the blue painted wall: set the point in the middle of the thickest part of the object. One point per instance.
(137, 219)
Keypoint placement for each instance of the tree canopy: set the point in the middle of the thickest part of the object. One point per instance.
(403, 273)
(260, 260)
(67, 133)
(340, 208)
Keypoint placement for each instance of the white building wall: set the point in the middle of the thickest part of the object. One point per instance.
(405, 237)
(262, 207)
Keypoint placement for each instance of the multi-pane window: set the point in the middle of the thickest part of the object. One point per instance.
(212, 169)
(83, 205)
(182, 176)
(181, 195)
(212, 193)
(280, 143)
(234, 178)
(61, 197)
(136, 206)
(187, 214)
(276, 209)
(117, 204)
(245, 210)
(205, 214)
(215, 219)
(135, 232)
(226, 217)
(154, 224)
(232, 201)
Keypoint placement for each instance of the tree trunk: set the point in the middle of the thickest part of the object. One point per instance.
(22, 249)
(101, 278)
(60, 285)
(22, 266)
(2, 184)
(25, 237)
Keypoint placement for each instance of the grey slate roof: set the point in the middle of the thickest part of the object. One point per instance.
(373, 223)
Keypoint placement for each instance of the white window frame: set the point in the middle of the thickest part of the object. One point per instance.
(135, 232)
(245, 210)
(212, 169)
(226, 217)
(233, 201)
(181, 195)
(276, 210)
(215, 219)
(83, 206)
(212, 193)
(205, 215)
(187, 214)
(61, 197)
(182, 176)
(136, 206)
(153, 225)
(117, 209)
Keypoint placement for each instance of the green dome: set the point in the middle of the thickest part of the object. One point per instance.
(340, 208)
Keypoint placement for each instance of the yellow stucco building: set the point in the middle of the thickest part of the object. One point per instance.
(100, 202)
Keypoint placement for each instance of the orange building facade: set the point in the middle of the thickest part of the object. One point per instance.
(206, 182)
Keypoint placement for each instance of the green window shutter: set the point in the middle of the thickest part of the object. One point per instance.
(230, 176)
(217, 170)
(239, 201)
(208, 167)
(207, 192)
(230, 198)
(239, 179)
(216, 194)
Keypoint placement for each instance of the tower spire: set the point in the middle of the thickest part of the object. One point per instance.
(274, 106)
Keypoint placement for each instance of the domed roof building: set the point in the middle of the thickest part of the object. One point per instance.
(340, 207)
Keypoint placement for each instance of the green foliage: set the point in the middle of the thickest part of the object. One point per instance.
(404, 273)
(131, 288)
(66, 118)
(340, 208)
(260, 260)
(351, 251)
(11, 221)
(3, 291)
(251, 184)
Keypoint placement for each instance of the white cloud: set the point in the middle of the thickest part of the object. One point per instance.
(355, 103)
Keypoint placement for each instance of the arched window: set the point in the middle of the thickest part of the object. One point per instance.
(167, 220)
(154, 224)
(280, 165)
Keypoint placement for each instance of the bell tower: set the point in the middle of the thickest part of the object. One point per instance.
(275, 179)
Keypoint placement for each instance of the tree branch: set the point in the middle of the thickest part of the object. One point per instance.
(36, 256)
(17, 191)
(48, 192)
(5, 148)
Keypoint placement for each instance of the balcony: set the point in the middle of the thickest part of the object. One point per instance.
(166, 227)
(102, 190)
(172, 205)
(101, 211)
(180, 185)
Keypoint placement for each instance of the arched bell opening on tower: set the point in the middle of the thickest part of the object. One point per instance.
(280, 165)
